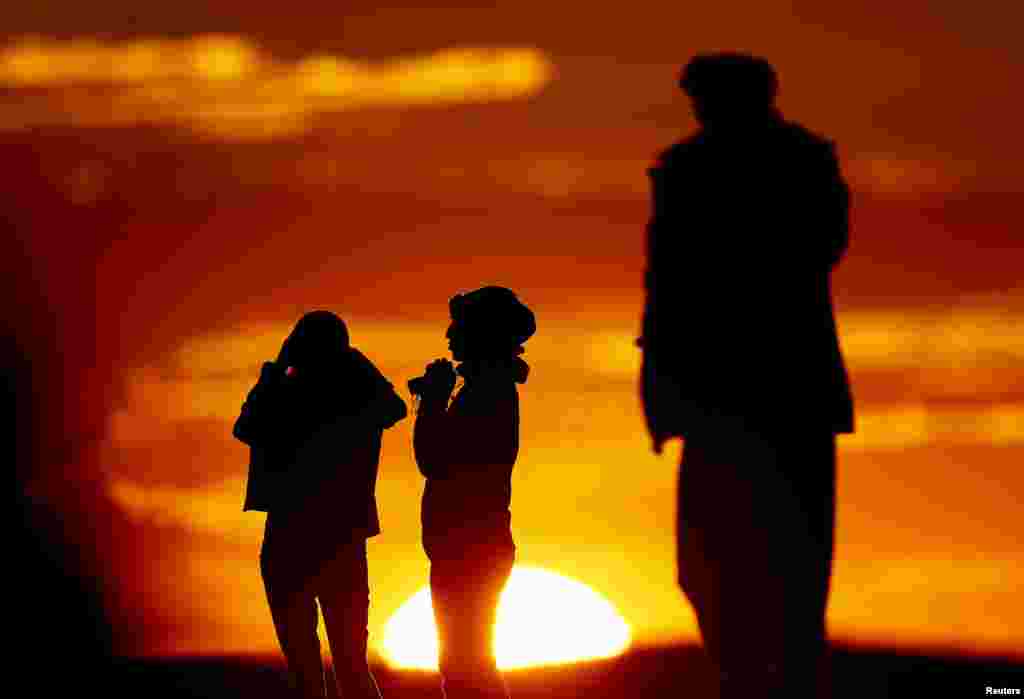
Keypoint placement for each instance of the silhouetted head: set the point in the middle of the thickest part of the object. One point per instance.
(489, 323)
(729, 88)
(318, 340)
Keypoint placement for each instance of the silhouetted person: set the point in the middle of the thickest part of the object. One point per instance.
(741, 360)
(314, 422)
(466, 451)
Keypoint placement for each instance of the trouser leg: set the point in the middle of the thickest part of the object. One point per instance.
(808, 538)
(755, 539)
(293, 609)
(721, 552)
(465, 596)
(344, 594)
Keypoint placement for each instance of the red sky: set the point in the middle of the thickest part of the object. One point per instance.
(171, 221)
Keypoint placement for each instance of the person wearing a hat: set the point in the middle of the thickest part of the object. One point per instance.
(466, 450)
(314, 423)
(742, 360)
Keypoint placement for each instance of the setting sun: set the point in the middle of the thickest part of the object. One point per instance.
(543, 619)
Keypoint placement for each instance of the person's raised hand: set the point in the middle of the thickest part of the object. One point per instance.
(440, 379)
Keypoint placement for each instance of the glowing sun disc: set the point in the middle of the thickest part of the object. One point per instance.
(543, 619)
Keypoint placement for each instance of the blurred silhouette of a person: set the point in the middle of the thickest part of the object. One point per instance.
(742, 360)
(466, 451)
(314, 422)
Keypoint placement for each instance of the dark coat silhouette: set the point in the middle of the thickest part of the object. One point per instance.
(314, 422)
(467, 454)
(738, 323)
(317, 440)
(742, 360)
(466, 451)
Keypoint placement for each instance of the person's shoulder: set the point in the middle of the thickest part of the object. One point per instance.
(677, 154)
(361, 360)
(800, 138)
(364, 366)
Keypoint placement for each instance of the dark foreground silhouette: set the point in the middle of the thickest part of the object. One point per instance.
(466, 451)
(655, 673)
(56, 604)
(742, 360)
(314, 422)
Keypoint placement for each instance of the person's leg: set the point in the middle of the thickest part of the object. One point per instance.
(293, 608)
(755, 547)
(697, 564)
(724, 562)
(806, 544)
(344, 592)
(465, 596)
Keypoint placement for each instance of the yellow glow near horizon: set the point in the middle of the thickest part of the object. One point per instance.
(543, 619)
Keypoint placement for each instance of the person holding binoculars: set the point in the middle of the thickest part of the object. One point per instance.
(466, 450)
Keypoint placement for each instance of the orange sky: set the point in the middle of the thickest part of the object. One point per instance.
(177, 200)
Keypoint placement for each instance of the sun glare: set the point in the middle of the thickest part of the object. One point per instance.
(543, 619)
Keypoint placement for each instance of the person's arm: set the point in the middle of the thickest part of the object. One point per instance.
(386, 408)
(433, 432)
(839, 196)
(432, 438)
(477, 435)
(382, 409)
(257, 423)
(828, 200)
(656, 225)
(649, 340)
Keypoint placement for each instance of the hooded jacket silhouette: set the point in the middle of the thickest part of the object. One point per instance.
(467, 450)
(315, 441)
(314, 422)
